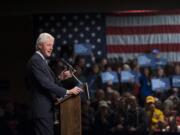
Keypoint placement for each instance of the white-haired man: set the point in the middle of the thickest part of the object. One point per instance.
(42, 84)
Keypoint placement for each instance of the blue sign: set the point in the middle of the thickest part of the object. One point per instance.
(144, 60)
(136, 76)
(156, 62)
(83, 49)
(109, 76)
(176, 81)
(160, 84)
(127, 76)
(150, 60)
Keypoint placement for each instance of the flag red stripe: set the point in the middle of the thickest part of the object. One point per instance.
(144, 13)
(143, 30)
(142, 48)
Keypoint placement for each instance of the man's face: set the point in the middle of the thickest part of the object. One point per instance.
(47, 48)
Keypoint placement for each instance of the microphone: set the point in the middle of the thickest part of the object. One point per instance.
(87, 91)
(84, 85)
(68, 65)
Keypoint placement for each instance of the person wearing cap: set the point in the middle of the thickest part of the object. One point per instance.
(155, 115)
(103, 103)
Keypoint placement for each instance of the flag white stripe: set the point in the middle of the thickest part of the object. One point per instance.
(143, 20)
(143, 39)
(170, 56)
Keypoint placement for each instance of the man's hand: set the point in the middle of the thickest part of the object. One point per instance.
(74, 91)
(65, 74)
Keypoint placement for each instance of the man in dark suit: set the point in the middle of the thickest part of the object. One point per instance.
(43, 86)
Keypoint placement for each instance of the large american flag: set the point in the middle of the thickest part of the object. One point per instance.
(70, 29)
(122, 34)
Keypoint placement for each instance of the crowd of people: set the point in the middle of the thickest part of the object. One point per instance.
(114, 107)
(13, 118)
(131, 106)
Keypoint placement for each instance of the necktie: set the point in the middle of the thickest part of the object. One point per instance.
(49, 69)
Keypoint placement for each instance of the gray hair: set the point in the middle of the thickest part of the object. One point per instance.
(43, 37)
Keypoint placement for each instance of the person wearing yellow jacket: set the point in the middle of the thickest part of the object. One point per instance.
(155, 115)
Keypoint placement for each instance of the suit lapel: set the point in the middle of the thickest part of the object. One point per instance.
(50, 71)
(47, 68)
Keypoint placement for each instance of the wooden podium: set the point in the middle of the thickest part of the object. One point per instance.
(70, 115)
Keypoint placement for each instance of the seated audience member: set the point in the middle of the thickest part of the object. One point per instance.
(171, 120)
(155, 116)
(10, 119)
(134, 116)
(87, 118)
(103, 119)
(100, 95)
(178, 121)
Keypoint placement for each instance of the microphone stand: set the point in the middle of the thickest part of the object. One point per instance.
(84, 85)
(72, 70)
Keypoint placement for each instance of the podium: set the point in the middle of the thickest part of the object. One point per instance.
(70, 115)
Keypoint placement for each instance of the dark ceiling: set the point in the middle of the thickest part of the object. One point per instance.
(42, 6)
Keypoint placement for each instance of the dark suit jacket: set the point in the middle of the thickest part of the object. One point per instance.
(42, 85)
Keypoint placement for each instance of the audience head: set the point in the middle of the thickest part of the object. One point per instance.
(100, 95)
(177, 69)
(146, 71)
(95, 68)
(126, 67)
(160, 72)
(103, 104)
(150, 99)
(150, 102)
